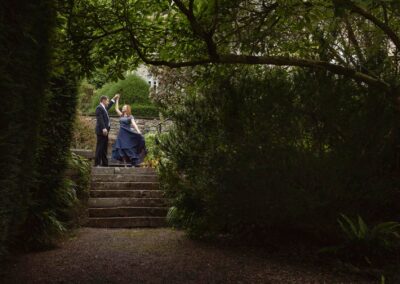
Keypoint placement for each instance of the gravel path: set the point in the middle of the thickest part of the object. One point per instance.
(163, 256)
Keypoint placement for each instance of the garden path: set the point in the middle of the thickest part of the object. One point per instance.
(164, 255)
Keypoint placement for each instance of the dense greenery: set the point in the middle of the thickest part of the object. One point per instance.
(23, 81)
(182, 33)
(152, 157)
(257, 152)
(363, 242)
(86, 93)
(80, 182)
(40, 81)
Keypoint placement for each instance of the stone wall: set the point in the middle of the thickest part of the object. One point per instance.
(146, 125)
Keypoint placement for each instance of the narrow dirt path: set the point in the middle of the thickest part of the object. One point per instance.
(162, 256)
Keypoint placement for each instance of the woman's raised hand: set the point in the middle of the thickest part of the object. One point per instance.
(116, 97)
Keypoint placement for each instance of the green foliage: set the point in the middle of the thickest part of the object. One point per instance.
(329, 35)
(152, 156)
(173, 217)
(81, 181)
(384, 234)
(50, 194)
(144, 110)
(24, 32)
(45, 228)
(99, 77)
(256, 150)
(367, 243)
(53, 197)
(46, 223)
(195, 226)
(83, 134)
(40, 81)
(85, 96)
(134, 91)
(66, 209)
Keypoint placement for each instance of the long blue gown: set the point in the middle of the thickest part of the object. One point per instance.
(129, 145)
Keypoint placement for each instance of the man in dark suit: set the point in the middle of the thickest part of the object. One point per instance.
(103, 126)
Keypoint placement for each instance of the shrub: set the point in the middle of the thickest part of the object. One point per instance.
(258, 150)
(144, 110)
(45, 224)
(45, 229)
(80, 182)
(366, 243)
(37, 117)
(150, 160)
(86, 92)
(99, 77)
(81, 168)
(153, 154)
(53, 201)
(134, 91)
(23, 78)
(83, 134)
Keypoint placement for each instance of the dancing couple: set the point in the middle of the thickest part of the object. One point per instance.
(129, 146)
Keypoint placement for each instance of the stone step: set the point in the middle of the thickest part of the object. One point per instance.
(127, 202)
(127, 222)
(127, 193)
(121, 177)
(124, 185)
(88, 154)
(128, 212)
(122, 170)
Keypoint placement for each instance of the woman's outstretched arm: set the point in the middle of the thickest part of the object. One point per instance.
(117, 106)
(135, 126)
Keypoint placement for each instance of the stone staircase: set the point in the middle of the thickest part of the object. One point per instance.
(126, 198)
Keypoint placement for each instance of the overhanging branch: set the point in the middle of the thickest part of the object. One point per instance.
(198, 30)
(316, 64)
(266, 60)
(381, 25)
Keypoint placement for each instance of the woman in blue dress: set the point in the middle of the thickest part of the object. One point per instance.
(130, 146)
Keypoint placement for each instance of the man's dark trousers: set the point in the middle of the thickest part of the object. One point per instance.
(102, 122)
(101, 151)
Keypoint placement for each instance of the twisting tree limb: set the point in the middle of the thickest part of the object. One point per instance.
(353, 40)
(198, 29)
(136, 46)
(264, 60)
(381, 25)
(291, 61)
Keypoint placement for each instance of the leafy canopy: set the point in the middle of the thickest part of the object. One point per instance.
(357, 39)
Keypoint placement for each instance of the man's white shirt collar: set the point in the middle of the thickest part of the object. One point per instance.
(109, 122)
(105, 106)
